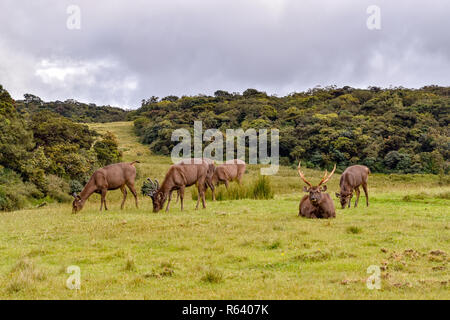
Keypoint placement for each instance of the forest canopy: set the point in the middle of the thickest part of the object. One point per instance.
(389, 130)
(72, 109)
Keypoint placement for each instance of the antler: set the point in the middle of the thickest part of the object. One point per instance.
(325, 178)
(149, 188)
(302, 176)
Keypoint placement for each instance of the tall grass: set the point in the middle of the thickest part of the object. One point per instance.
(260, 189)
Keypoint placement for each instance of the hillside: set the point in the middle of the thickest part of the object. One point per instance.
(390, 130)
(243, 249)
(72, 109)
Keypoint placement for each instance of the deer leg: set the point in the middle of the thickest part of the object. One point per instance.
(226, 184)
(133, 191)
(182, 197)
(203, 197)
(168, 201)
(211, 186)
(103, 200)
(350, 200)
(357, 196)
(124, 191)
(198, 196)
(178, 196)
(366, 193)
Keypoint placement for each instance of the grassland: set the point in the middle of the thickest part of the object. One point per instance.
(242, 249)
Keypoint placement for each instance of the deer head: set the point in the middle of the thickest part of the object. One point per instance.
(152, 190)
(315, 192)
(77, 203)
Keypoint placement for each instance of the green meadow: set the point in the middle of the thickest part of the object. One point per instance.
(234, 249)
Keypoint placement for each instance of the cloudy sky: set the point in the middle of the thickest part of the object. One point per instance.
(125, 51)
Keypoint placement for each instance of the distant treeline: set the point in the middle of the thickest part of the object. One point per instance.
(389, 130)
(44, 156)
(72, 109)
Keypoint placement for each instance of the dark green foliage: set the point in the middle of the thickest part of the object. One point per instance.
(107, 149)
(65, 145)
(41, 151)
(75, 186)
(74, 110)
(14, 193)
(389, 130)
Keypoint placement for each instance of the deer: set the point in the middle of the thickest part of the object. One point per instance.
(178, 177)
(231, 170)
(316, 204)
(211, 168)
(351, 179)
(112, 177)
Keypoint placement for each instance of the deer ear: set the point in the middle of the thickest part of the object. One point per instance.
(305, 189)
(338, 195)
(74, 195)
(323, 188)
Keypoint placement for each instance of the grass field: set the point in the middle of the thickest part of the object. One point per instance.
(243, 249)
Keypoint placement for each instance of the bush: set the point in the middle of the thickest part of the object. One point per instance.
(14, 193)
(75, 186)
(58, 189)
(107, 149)
(259, 189)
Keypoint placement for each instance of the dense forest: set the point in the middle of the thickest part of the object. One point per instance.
(72, 109)
(389, 130)
(45, 157)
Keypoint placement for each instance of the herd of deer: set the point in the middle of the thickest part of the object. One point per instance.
(204, 173)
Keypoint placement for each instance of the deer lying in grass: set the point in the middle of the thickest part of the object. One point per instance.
(351, 179)
(231, 170)
(112, 177)
(316, 204)
(180, 176)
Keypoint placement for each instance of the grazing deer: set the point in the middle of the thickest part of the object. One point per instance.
(112, 177)
(180, 176)
(231, 170)
(316, 204)
(211, 168)
(351, 179)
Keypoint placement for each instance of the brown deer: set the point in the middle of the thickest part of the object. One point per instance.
(316, 204)
(231, 170)
(180, 176)
(112, 177)
(351, 179)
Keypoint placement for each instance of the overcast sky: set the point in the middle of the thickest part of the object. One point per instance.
(125, 51)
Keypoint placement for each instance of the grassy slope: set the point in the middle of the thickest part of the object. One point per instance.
(242, 249)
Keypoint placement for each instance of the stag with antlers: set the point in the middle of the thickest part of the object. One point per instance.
(316, 204)
(179, 176)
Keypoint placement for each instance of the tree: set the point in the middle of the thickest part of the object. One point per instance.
(107, 149)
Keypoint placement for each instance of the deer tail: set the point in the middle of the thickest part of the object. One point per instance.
(368, 171)
(132, 163)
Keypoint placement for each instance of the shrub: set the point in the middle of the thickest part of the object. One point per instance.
(212, 275)
(14, 193)
(259, 189)
(75, 186)
(107, 149)
(354, 230)
(58, 189)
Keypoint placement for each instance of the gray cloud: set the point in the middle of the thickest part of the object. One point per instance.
(129, 50)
